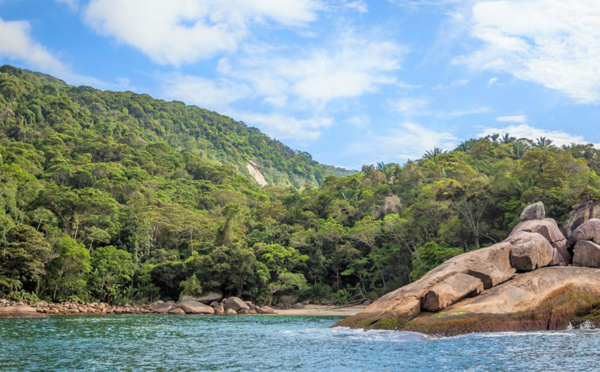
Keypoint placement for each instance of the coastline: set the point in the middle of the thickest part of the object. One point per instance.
(22, 310)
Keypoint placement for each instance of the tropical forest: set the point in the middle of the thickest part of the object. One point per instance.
(122, 198)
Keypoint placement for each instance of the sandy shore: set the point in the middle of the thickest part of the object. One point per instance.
(321, 310)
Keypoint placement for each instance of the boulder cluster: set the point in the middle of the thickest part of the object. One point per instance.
(187, 305)
(536, 242)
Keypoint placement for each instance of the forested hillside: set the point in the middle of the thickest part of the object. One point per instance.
(39, 106)
(119, 197)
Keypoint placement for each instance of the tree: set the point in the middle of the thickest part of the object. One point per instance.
(23, 259)
(113, 268)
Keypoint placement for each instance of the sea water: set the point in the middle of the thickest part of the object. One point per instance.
(263, 343)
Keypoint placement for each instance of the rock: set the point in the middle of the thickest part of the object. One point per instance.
(581, 213)
(586, 254)
(530, 251)
(287, 300)
(250, 305)
(450, 290)
(246, 312)
(206, 298)
(219, 309)
(265, 310)
(234, 303)
(176, 311)
(298, 305)
(231, 312)
(534, 211)
(18, 311)
(549, 229)
(42, 304)
(195, 307)
(160, 307)
(544, 299)
(491, 265)
(589, 230)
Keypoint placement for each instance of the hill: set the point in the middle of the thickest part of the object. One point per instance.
(48, 106)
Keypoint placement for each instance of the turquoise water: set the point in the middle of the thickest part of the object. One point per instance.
(210, 343)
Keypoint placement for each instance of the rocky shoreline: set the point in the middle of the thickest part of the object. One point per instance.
(229, 306)
(536, 279)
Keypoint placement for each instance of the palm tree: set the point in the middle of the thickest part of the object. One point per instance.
(434, 153)
(519, 148)
(543, 142)
(466, 146)
(506, 138)
(494, 137)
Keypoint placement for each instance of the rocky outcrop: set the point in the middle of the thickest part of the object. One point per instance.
(195, 307)
(530, 251)
(586, 254)
(545, 299)
(581, 213)
(206, 298)
(236, 304)
(589, 230)
(18, 311)
(534, 211)
(450, 290)
(490, 265)
(448, 300)
(186, 306)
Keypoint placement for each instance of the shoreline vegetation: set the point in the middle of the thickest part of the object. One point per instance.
(230, 306)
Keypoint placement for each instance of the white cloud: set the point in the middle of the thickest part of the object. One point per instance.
(549, 42)
(492, 81)
(512, 119)
(206, 93)
(72, 4)
(411, 106)
(410, 141)
(420, 107)
(360, 6)
(184, 31)
(16, 43)
(346, 66)
(558, 137)
(282, 126)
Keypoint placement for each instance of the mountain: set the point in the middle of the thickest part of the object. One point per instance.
(36, 106)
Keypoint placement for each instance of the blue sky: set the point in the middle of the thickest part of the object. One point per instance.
(350, 81)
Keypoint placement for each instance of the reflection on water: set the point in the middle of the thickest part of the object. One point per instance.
(249, 343)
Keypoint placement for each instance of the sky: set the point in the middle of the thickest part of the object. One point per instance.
(352, 82)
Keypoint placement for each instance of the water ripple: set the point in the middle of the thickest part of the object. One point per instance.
(209, 343)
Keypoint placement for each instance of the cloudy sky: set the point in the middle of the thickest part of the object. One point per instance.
(350, 81)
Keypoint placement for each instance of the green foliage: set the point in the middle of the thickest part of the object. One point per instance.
(191, 287)
(429, 256)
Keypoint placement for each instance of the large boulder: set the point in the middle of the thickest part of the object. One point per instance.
(586, 254)
(161, 307)
(491, 265)
(530, 251)
(581, 213)
(195, 307)
(545, 299)
(18, 311)
(287, 300)
(549, 229)
(451, 290)
(206, 298)
(589, 230)
(265, 310)
(236, 304)
(534, 211)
